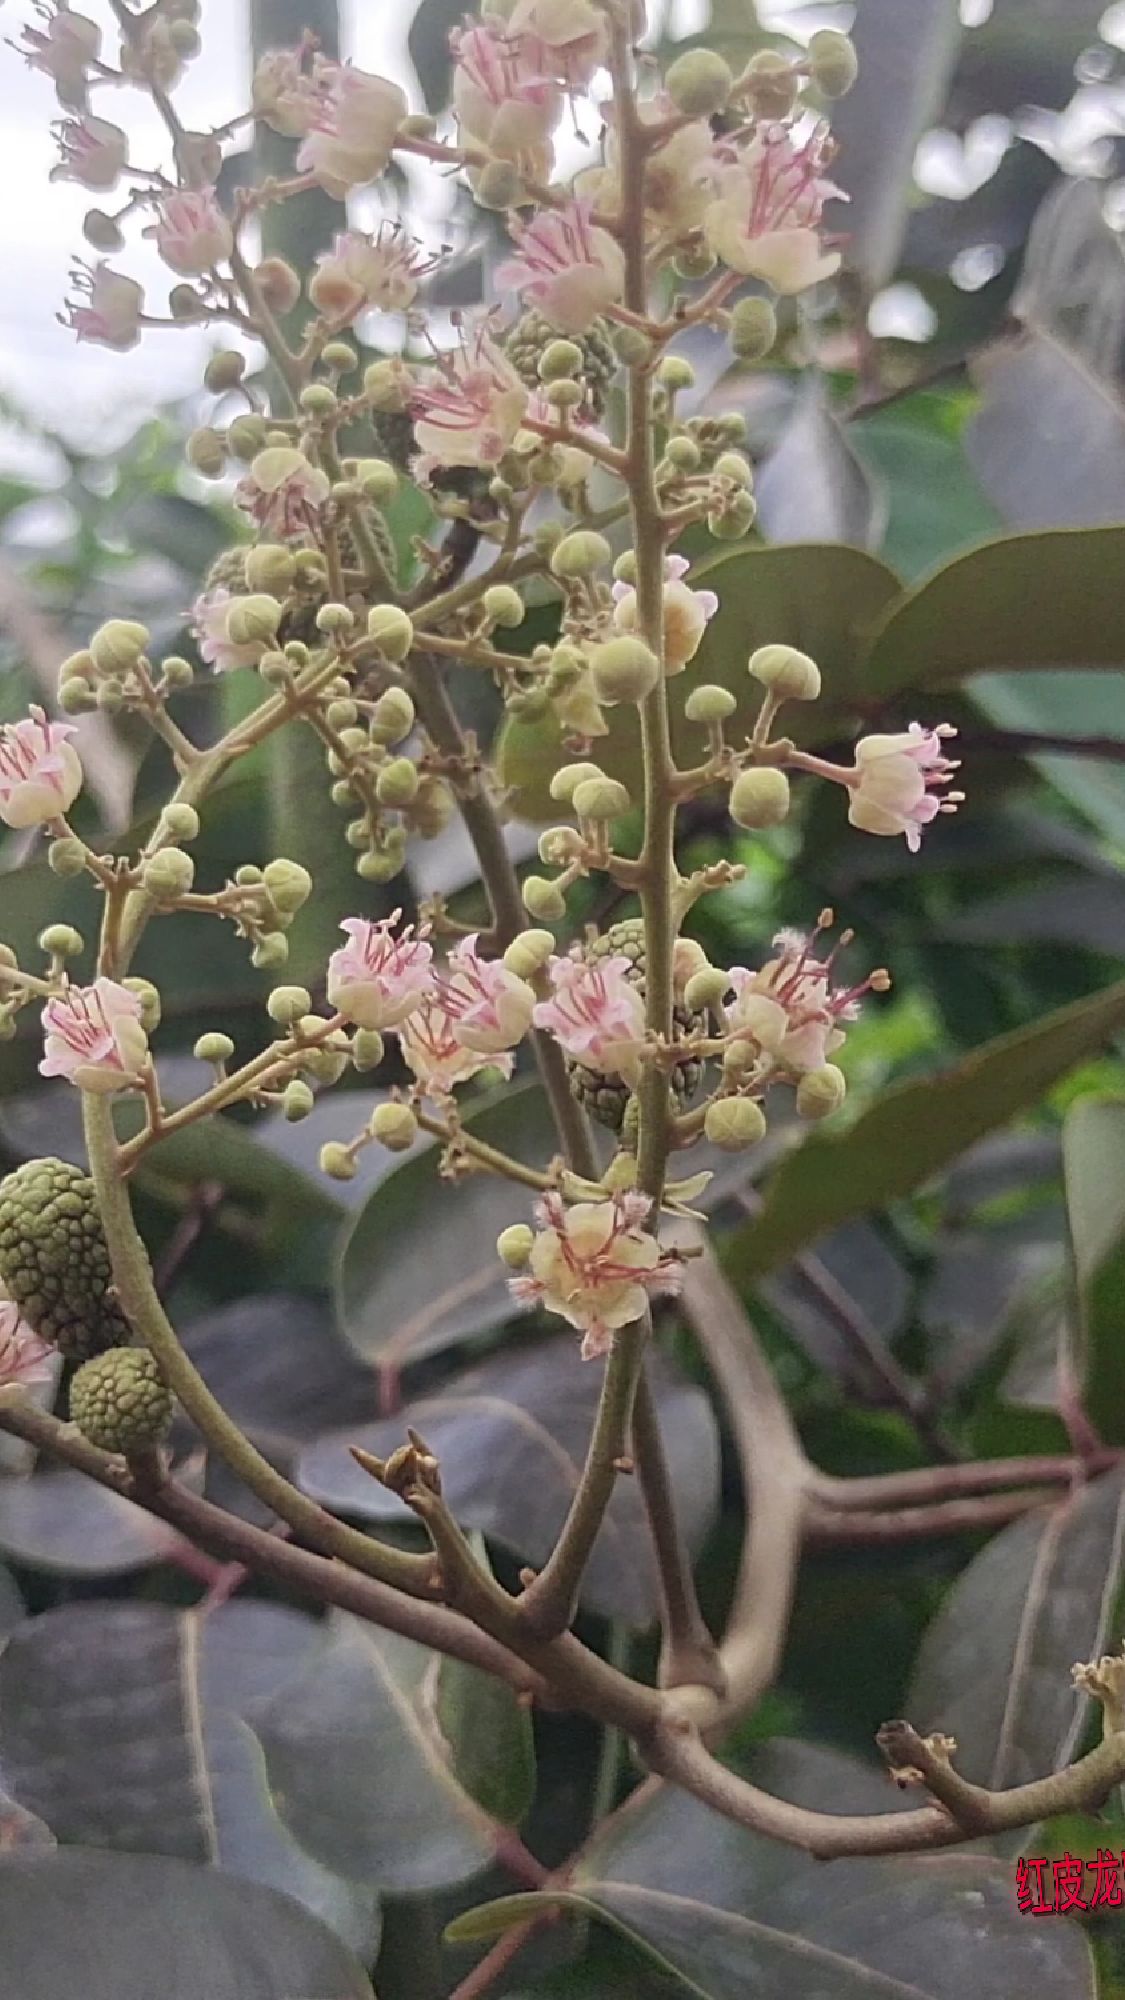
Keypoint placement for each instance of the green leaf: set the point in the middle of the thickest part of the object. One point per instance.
(1046, 600)
(813, 485)
(59, 1521)
(937, 505)
(1056, 704)
(1094, 1169)
(489, 1734)
(167, 1766)
(918, 1127)
(142, 1924)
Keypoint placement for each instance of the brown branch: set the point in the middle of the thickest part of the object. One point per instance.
(689, 1656)
(825, 1527)
(923, 1484)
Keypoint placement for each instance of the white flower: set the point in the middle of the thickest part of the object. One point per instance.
(110, 310)
(92, 151)
(353, 131)
(40, 775)
(359, 271)
(686, 613)
(490, 1007)
(94, 1037)
(567, 268)
(896, 779)
(377, 979)
(431, 1046)
(764, 220)
(595, 1265)
(192, 234)
(503, 94)
(469, 412)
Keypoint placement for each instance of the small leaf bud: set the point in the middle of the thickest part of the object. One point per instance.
(699, 82)
(706, 988)
(168, 874)
(61, 941)
(543, 900)
(297, 1101)
(213, 1048)
(392, 631)
(118, 644)
(734, 1123)
(289, 884)
(181, 822)
(397, 782)
(270, 567)
(394, 1126)
(368, 1048)
(253, 621)
(770, 82)
(560, 361)
(225, 370)
(206, 453)
(528, 953)
(601, 799)
(392, 717)
(790, 675)
(515, 1244)
(832, 62)
(759, 798)
(623, 669)
(503, 605)
(66, 856)
(753, 328)
(270, 952)
(246, 437)
(151, 1005)
(337, 1162)
(580, 554)
(821, 1091)
(710, 703)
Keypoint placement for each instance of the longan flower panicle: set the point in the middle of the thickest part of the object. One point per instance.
(596, 1265)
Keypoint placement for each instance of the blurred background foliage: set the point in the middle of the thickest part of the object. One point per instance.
(941, 1274)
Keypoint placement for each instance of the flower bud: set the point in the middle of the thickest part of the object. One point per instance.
(270, 952)
(175, 672)
(736, 466)
(832, 62)
(560, 361)
(770, 83)
(118, 644)
(562, 395)
(297, 1101)
(185, 304)
(168, 875)
(206, 453)
(623, 669)
(682, 453)
(821, 1091)
(753, 328)
(368, 1048)
(706, 988)
(392, 717)
(625, 568)
(394, 1126)
(66, 856)
(397, 782)
(391, 630)
(632, 347)
(503, 605)
(528, 953)
(270, 567)
(710, 703)
(734, 1123)
(543, 900)
(287, 1004)
(699, 82)
(278, 283)
(78, 666)
(693, 260)
(275, 668)
(759, 798)
(558, 846)
(337, 1162)
(77, 697)
(735, 520)
(246, 437)
(110, 696)
(379, 864)
(601, 799)
(151, 1004)
(568, 776)
(514, 1245)
(378, 479)
(581, 554)
(319, 400)
(181, 822)
(225, 370)
(289, 885)
(387, 385)
(788, 674)
(213, 1048)
(253, 621)
(675, 373)
(61, 941)
(498, 185)
(336, 620)
(340, 356)
(102, 231)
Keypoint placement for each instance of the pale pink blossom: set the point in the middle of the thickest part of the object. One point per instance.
(24, 1358)
(764, 220)
(431, 1045)
(686, 613)
(361, 270)
(40, 775)
(595, 1265)
(378, 977)
(64, 49)
(108, 309)
(94, 1037)
(209, 629)
(192, 234)
(283, 492)
(91, 150)
(353, 131)
(490, 1007)
(573, 33)
(790, 1008)
(470, 409)
(565, 266)
(284, 97)
(897, 779)
(595, 1013)
(676, 173)
(503, 93)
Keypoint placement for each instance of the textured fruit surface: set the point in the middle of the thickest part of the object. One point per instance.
(54, 1259)
(606, 1098)
(120, 1401)
(532, 333)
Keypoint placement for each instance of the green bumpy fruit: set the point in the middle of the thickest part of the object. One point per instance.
(607, 1097)
(531, 334)
(121, 1402)
(54, 1259)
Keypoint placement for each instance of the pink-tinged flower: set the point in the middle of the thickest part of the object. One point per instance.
(40, 775)
(283, 493)
(64, 49)
(24, 1358)
(594, 1013)
(470, 410)
(676, 174)
(192, 234)
(284, 97)
(897, 779)
(209, 630)
(791, 1008)
(490, 1007)
(94, 1037)
(764, 220)
(596, 1265)
(377, 979)
(384, 270)
(565, 266)
(686, 613)
(356, 121)
(109, 310)
(431, 1045)
(92, 151)
(573, 33)
(503, 94)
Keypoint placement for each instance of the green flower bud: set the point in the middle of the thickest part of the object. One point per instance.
(270, 952)
(343, 793)
(601, 799)
(560, 361)
(337, 1162)
(675, 373)
(397, 783)
(121, 1402)
(185, 304)
(515, 1244)
(736, 519)
(431, 812)
(61, 941)
(168, 874)
(682, 454)
(498, 185)
(821, 1091)
(788, 674)
(379, 864)
(341, 714)
(770, 82)
(710, 703)
(78, 666)
(206, 453)
(248, 874)
(213, 1048)
(319, 400)
(151, 1004)
(528, 953)
(391, 630)
(253, 621)
(392, 717)
(759, 798)
(558, 846)
(102, 231)
(246, 436)
(340, 356)
(118, 644)
(378, 479)
(693, 260)
(175, 672)
(54, 1260)
(287, 1004)
(699, 82)
(225, 370)
(297, 1100)
(358, 832)
(632, 347)
(753, 328)
(706, 989)
(110, 697)
(418, 125)
(563, 395)
(736, 466)
(66, 856)
(335, 619)
(832, 62)
(734, 1123)
(289, 884)
(394, 1126)
(77, 697)
(278, 283)
(568, 776)
(580, 554)
(275, 668)
(625, 568)
(503, 605)
(180, 821)
(270, 567)
(368, 1048)
(623, 669)
(386, 385)
(543, 900)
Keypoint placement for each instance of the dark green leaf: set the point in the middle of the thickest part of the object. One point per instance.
(936, 505)
(812, 485)
(1094, 1165)
(1059, 705)
(59, 1520)
(488, 1732)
